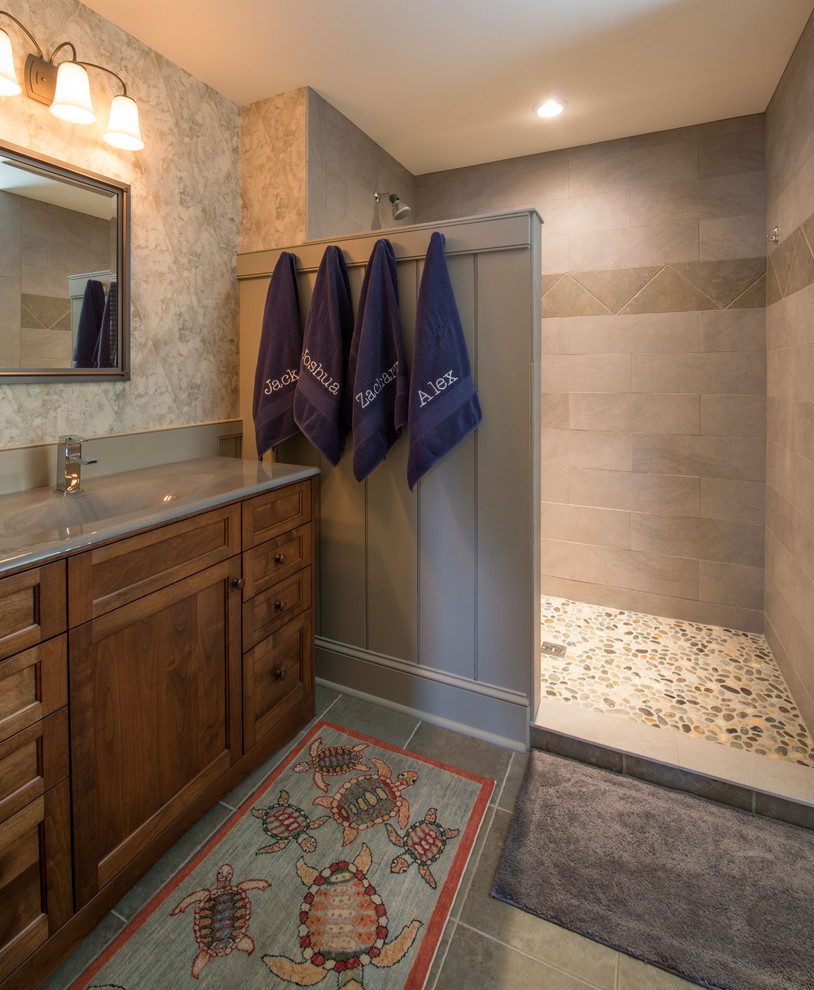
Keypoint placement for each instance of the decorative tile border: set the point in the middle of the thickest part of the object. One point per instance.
(683, 287)
(791, 263)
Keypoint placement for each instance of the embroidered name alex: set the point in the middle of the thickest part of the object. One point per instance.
(275, 384)
(319, 373)
(368, 395)
(435, 388)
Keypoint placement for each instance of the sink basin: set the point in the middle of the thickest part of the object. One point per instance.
(103, 498)
(40, 524)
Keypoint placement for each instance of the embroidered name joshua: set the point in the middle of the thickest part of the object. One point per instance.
(319, 373)
(275, 384)
(436, 388)
(365, 398)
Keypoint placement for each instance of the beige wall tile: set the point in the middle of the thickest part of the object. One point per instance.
(586, 373)
(742, 458)
(633, 168)
(633, 247)
(781, 519)
(672, 576)
(732, 152)
(554, 411)
(651, 493)
(584, 524)
(585, 448)
(733, 330)
(698, 199)
(628, 334)
(733, 415)
(731, 584)
(737, 501)
(717, 372)
(634, 412)
(705, 539)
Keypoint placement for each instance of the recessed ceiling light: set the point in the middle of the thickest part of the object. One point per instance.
(551, 108)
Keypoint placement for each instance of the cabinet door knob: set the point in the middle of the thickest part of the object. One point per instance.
(279, 606)
(279, 558)
(280, 674)
(238, 583)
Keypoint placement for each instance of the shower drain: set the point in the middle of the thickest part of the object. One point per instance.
(553, 649)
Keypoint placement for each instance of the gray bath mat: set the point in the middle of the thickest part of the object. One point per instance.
(715, 895)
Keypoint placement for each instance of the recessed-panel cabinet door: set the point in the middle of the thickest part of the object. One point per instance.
(155, 702)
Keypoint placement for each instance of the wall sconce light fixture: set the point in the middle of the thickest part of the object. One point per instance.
(65, 89)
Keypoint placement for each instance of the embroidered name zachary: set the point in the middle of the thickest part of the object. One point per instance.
(436, 388)
(319, 373)
(274, 385)
(369, 394)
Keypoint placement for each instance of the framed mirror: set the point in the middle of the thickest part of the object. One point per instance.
(64, 272)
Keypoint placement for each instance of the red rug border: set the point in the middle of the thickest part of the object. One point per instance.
(435, 927)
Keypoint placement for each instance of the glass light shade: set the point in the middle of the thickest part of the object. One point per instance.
(72, 97)
(8, 77)
(122, 128)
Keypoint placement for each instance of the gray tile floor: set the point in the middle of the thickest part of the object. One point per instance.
(486, 943)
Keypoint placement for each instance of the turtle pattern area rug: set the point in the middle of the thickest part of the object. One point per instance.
(721, 897)
(340, 870)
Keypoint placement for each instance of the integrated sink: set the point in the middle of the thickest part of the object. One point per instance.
(38, 524)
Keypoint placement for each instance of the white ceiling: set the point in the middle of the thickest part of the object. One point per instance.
(446, 83)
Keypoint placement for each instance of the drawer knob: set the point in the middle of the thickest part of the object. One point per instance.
(238, 583)
(279, 558)
(280, 674)
(279, 606)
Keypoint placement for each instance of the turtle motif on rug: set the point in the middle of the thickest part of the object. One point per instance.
(331, 761)
(370, 800)
(284, 821)
(221, 917)
(423, 843)
(343, 926)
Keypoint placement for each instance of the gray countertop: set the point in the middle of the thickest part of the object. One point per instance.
(39, 525)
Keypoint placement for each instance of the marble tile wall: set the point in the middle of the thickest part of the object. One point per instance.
(273, 176)
(789, 625)
(185, 234)
(653, 376)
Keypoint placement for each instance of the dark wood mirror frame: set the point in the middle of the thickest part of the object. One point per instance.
(71, 175)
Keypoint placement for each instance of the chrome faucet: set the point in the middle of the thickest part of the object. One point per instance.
(69, 461)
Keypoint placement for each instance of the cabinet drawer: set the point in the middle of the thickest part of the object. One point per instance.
(114, 575)
(32, 685)
(274, 512)
(276, 559)
(273, 608)
(35, 882)
(32, 607)
(33, 761)
(277, 675)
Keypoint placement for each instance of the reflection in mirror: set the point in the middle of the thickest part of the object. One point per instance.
(64, 309)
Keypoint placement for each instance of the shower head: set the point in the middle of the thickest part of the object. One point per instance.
(400, 210)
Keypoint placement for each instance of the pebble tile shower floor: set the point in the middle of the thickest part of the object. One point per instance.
(706, 682)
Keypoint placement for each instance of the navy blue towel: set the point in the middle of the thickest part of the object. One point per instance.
(90, 323)
(444, 407)
(377, 369)
(319, 392)
(107, 344)
(278, 358)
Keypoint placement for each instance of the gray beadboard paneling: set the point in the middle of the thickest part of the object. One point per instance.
(435, 593)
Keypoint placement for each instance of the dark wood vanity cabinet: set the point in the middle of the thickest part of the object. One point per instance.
(184, 657)
(35, 825)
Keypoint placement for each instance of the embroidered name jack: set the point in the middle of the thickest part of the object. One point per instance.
(274, 385)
